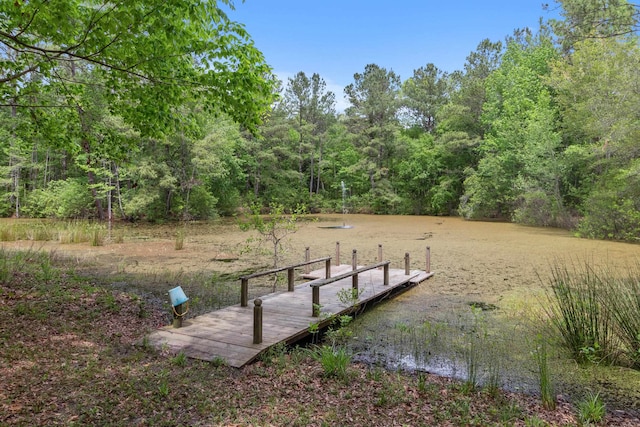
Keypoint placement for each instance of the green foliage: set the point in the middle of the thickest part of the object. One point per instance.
(522, 133)
(141, 41)
(179, 359)
(202, 204)
(591, 409)
(612, 210)
(334, 361)
(61, 199)
(274, 227)
(521, 145)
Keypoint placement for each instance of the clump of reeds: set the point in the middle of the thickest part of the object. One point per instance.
(8, 233)
(622, 298)
(179, 243)
(541, 359)
(577, 310)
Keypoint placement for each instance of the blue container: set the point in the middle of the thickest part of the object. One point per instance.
(177, 296)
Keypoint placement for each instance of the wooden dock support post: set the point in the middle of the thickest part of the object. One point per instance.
(257, 321)
(428, 266)
(290, 279)
(407, 263)
(327, 268)
(315, 301)
(244, 292)
(354, 264)
(379, 252)
(337, 253)
(386, 275)
(307, 258)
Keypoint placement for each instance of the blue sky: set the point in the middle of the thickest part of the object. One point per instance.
(337, 38)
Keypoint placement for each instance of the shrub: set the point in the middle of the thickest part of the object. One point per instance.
(69, 198)
(202, 205)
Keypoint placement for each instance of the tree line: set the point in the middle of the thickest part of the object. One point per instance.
(135, 112)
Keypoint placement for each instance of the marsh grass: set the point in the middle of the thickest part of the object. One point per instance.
(65, 232)
(541, 360)
(622, 297)
(7, 232)
(179, 241)
(597, 313)
(578, 313)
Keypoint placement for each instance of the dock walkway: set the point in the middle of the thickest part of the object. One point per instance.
(228, 333)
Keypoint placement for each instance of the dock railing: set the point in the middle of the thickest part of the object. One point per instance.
(317, 284)
(244, 280)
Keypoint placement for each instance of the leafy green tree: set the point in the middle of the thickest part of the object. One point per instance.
(312, 106)
(600, 110)
(594, 19)
(516, 99)
(273, 228)
(151, 54)
(372, 117)
(468, 93)
(423, 95)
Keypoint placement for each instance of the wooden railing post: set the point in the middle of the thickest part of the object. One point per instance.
(257, 321)
(428, 266)
(244, 292)
(327, 268)
(354, 260)
(354, 264)
(290, 279)
(315, 301)
(307, 258)
(407, 263)
(386, 275)
(337, 253)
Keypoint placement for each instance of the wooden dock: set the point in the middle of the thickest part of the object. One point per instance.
(228, 333)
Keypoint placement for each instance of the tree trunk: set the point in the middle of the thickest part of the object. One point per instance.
(311, 178)
(115, 169)
(319, 168)
(15, 170)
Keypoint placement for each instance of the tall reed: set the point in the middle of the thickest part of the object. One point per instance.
(541, 359)
(622, 297)
(577, 311)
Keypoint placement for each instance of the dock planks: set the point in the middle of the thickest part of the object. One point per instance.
(228, 333)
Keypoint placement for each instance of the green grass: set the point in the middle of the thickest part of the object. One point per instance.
(334, 361)
(591, 409)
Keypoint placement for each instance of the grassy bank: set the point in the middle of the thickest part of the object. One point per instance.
(68, 346)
